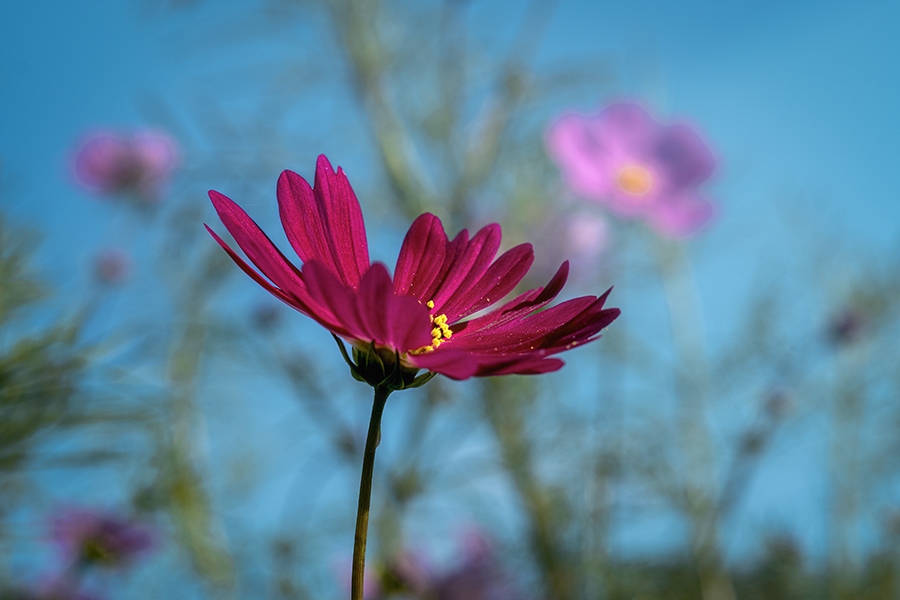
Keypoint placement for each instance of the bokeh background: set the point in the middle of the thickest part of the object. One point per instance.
(733, 435)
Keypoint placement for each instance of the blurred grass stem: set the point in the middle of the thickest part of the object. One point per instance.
(692, 385)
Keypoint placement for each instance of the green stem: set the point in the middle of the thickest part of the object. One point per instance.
(365, 493)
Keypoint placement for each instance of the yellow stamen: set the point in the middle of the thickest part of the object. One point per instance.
(440, 333)
(634, 180)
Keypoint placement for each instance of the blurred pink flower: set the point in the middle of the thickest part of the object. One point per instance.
(476, 576)
(113, 265)
(91, 536)
(138, 163)
(636, 167)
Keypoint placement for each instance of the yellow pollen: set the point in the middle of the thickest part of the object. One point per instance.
(440, 333)
(634, 180)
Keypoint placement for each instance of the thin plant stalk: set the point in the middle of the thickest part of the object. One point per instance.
(365, 493)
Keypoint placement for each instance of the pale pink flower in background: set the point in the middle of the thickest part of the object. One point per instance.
(138, 163)
(586, 235)
(580, 237)
(636, 167)
(113, 266)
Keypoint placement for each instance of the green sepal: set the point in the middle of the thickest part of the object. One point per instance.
(382, 368)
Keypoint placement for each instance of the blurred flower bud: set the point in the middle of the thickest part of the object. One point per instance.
(93, 537)
(777, 403)
(752, 442)
(266, 316)
(113, 266)
(846, 327)
(137, 163)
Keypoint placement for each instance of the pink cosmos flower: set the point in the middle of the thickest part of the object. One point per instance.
(636, 167)
(417, 319)
(98, 537)
(139, 163)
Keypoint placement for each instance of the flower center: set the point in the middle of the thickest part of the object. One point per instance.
(94, 550)
(440, 333)
(634, 180)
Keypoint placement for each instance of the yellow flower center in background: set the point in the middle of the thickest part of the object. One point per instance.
(634, 180)
(440, 333)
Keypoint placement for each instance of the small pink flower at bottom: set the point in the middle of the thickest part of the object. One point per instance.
(636, 167)
(138, 163)
(62, 587)
(94, 537)
(477, 575)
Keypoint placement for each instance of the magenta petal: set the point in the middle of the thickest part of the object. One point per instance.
(453, 253)
(400, 322)
(253, 274)
(257, 246)
(330, 292)
(344, 216)
(524, 364)
(469, 267)
(528, 333)
(325, 224)
(421, 257)
(452, 363)
(302, 220)
(374, 302)
(521, 306)
(499, 279)
(410, 325)
(550, 331)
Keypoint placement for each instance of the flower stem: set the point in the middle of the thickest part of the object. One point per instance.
(365, 493)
